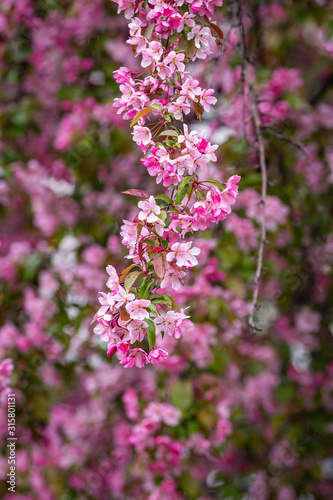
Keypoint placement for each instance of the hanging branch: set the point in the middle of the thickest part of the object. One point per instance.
(255, 115)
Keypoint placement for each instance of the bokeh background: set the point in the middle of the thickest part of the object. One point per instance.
(233, 414)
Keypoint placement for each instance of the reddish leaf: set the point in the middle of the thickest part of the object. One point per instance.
(140, 251)
(143, 112)
(217, 32)
(124, 314)
(138, 193)
(186, 46)
(126, 271)
(198, 109)
(159, 265)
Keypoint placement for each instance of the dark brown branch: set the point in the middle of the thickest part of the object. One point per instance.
(262, 159)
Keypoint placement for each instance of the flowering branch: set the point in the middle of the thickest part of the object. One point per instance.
(166, 36)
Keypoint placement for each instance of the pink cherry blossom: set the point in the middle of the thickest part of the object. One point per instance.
(141, 135)
(149, 210)
(175, 61)
(179, 107)
(183, 254)
(137, 309)
(157, 355)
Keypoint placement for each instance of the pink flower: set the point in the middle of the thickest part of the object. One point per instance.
(190, 139)
(206, 99)
(163, 412)
(121, 297)
(171, 323)
(179, 107)
(150, 210)
(151, 54)
(137, 309)
(103, 328)
(122, 349)
(112, 349)
(173, 279)
(137, 329)
(136, 357)
(191, 89)
(157, 355)
(202, 37)
(141, 135)
(184, 254)
(105, 304)
(164, 71)
(174, 60)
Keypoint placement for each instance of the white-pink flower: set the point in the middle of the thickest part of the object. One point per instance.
(141, 135)
(173, 280)
(150, 210)
(175, 61)
(138, 309)
(183, 254)
(190, 89)
(122, 297)
(202, 37)
(179, 107)
(171, 323)
(151, 54)
(137, 329)
(207, 99)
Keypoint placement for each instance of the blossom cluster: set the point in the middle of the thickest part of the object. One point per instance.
(165, 37)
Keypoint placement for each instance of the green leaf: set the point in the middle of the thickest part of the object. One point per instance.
(164, 197)
(149, 31)
(184, 181)
(161, 299)
(153, 309)
(181, 195)
(151, 333)
(155, 106)
(149, 285)
(130, 279)
(169, 132)
(148, 242)
(189, 485)
(141, 284)
(170, 82)
(175, 305)
(217, 183)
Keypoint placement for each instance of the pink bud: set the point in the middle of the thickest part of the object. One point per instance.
(111, 350)
(196, 6)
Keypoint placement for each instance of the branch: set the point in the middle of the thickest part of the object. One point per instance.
(297, 145)
(261, 148)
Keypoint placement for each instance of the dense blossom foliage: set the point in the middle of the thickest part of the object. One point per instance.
(165, 37)
(231, 412)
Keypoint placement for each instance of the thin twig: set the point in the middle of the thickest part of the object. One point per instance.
(297, 145)
(261, 148)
